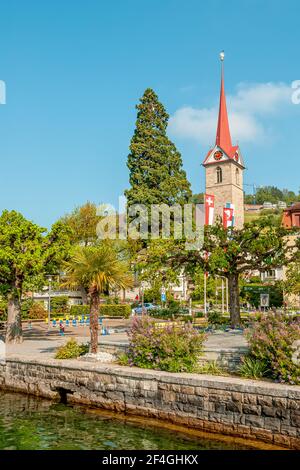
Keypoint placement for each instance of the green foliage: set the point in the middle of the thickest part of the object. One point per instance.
(82, 223)
(26, 255)
(253, 368)
(3, 309)
(59, 304)
(121, 310)
(198, 292)
(172, 348)
(273, 194)
(21, 251)
(71, 350)
(173, 309)
(79, 310)
(26, 304)
(271, 340)
(153, 294)
(123, 359)
(211, 368)
(155, 165)
(215, 318)
(275, 291)
(106, 310)
(292, 282)
(35, 311)
(97, 269)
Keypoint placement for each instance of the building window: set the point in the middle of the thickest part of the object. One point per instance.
(219, 175)
(237, 177)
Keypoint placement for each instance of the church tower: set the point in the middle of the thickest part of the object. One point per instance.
(224, 166)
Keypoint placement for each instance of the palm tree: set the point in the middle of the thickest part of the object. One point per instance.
(97, 269)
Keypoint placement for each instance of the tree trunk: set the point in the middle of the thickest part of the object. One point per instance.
(234, 299)
(14, 323)
(95, 301)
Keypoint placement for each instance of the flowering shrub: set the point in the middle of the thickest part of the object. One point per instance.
(271, 340)
(172, 348)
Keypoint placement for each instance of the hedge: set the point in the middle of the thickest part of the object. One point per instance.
(117, 310)
(107, 310)
(79, 310)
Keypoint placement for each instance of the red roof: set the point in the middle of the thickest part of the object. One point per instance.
(223, 137)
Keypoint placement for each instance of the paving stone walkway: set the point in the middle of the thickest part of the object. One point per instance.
(38, 342)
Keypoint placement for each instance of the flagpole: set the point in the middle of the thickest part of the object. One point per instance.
(222, 296)
(227, 306)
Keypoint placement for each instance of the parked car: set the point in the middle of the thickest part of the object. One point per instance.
(147, 307)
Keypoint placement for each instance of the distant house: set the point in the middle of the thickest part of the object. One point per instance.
(253, 207)
(291, 216)
(281, 205)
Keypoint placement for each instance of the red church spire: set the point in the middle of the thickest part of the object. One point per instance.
(223, 138)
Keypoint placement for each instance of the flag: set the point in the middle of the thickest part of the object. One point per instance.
(227, 217)
(228, 205)
(209, 208)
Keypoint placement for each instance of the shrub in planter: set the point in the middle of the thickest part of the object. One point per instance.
(271, 340)
(71, 350)
(115, 310)
(172, 348)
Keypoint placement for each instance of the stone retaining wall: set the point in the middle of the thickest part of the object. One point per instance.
(261, 410)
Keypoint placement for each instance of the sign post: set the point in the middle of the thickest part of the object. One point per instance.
(264, 300)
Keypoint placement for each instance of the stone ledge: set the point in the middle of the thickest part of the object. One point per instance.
(200, 380)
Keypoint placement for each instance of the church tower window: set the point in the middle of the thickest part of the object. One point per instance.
(237, 177)
(219, 175)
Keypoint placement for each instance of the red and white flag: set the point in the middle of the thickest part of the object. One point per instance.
(227, 217)
(209, 208)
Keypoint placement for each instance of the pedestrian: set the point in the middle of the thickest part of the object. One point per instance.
(61, 329)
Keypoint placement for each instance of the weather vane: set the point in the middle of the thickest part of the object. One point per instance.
(222, 55)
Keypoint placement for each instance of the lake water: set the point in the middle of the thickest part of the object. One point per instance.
(27, 422)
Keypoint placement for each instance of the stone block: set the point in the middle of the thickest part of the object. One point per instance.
(188, 390)
(293, 404)
(250, 399)
(268, 411)
(264, 400)
(272, 424)
(280, 402)
(237, 397)
(295, 418)
(251, 409)
(201, 391)
(234, 407)
(254, 421)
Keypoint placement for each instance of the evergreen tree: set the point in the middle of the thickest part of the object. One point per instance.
(155, 165)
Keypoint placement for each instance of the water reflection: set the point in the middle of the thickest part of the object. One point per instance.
(27, 422)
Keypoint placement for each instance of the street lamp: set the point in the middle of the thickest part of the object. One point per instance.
(49, 300)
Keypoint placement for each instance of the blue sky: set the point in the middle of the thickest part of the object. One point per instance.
(75, 70)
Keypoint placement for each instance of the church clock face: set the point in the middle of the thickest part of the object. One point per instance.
(218, 155)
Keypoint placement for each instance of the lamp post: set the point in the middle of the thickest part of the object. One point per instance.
(49, 300)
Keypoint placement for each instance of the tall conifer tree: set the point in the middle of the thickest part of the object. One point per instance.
(155, 165)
